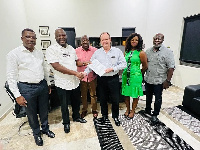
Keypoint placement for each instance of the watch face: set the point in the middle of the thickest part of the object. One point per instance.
(169, 82)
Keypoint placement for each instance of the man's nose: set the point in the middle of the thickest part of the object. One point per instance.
(32, 39)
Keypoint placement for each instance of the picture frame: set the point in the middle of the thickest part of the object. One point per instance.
(44, 31)
(45, 44)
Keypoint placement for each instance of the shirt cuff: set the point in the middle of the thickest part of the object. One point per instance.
(48, 83)
(17, 94)
(114, 69)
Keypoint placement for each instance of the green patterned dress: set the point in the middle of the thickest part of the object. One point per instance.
(132, 75)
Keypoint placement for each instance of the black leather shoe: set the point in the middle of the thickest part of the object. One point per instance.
(81, 120)
(154, 120)
(146, 112)
(67, 128)
(49, 134)
(117, 122)
(103, 119)
(38, 140)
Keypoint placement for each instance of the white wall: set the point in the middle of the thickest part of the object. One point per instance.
(13, 20)
(166, 16)
(92, 17)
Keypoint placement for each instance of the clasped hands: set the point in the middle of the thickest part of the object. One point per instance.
(81, 75)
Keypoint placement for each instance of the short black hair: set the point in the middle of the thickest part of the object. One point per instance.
(27, 29)
(128, 46)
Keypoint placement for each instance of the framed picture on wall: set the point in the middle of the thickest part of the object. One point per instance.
(45, 44)
(44, 31)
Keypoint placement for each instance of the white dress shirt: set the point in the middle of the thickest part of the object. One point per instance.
(66, 57)
(25, 66)
(114, 58)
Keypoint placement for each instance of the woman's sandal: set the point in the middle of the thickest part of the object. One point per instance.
(132, 115)
(95, 114)
(126, 113)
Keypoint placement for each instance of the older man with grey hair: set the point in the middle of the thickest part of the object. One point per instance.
(161, 66)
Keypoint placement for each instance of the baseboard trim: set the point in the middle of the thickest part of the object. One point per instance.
(6, 113)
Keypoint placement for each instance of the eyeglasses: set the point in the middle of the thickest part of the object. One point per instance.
(30, 37)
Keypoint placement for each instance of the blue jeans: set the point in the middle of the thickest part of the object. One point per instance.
(37, 97)
(157, 91)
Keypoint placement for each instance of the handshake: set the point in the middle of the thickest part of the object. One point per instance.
(81, 75)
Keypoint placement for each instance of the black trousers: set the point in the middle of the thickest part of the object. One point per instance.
(37, 97)
(65, 96)
(157, 91)
(108, 88)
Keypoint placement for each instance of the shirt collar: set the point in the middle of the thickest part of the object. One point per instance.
(24, 48)
(59, 46)
(160, 48)
(89, 49)
(109, 50)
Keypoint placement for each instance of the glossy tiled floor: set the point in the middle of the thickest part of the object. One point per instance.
(83, 136)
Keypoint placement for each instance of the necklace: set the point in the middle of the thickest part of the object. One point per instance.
(129, 69)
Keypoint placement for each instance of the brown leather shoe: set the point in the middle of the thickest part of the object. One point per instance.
(84, 113)
(95, 113)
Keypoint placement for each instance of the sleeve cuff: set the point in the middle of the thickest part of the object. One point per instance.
(48, 83)
(114, 69)
(17, 94)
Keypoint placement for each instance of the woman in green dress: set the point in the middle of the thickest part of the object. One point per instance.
(132, 74)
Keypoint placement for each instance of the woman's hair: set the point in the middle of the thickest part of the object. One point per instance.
(128, 46)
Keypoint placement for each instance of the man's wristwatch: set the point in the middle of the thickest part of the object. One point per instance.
(83, 64)
(168, 81)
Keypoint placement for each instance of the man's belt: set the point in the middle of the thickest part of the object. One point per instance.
(32, 83)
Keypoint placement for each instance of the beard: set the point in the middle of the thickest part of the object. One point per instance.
(157, 45)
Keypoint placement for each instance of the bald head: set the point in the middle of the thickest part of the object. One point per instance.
(85, 42)
(158, 40)
(61, 37)
(160, 35)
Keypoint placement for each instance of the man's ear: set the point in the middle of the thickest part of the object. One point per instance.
(163, 39)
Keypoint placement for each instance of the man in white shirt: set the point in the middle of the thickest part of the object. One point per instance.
(63, 60)
(108, 84)
(27, 78)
